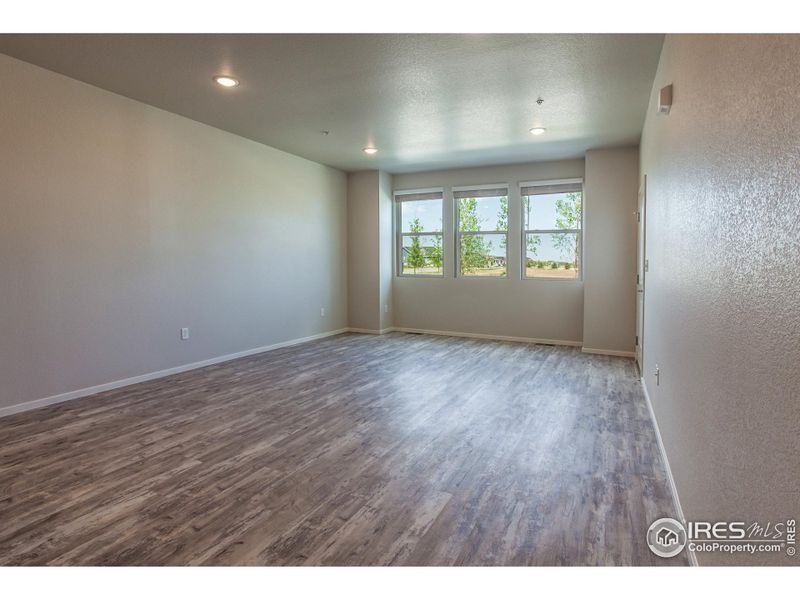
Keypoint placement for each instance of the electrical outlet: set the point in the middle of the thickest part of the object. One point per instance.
(322, 312)
(657, 373)
(184, 333)
(386, 308)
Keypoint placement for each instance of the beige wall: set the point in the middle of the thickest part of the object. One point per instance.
(369, 244)
(513, 307)
(363, 253)
(386, 250)
(609, 278)
(121, 223)
(722, 316)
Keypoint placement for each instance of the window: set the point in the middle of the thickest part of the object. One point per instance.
(482, 233)
(419, 233)
(552, 217)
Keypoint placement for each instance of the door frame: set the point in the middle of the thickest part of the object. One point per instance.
(641, 270)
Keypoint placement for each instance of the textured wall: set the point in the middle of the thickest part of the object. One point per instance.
(722, 312)
(121, 223)
(609, 278)
(510, 307)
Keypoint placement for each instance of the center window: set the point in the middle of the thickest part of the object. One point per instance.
(482, 217)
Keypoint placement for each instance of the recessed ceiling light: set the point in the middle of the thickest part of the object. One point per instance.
(226, 81)
(370, 150)
(538, 130)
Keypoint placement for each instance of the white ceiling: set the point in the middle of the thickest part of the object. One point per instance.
(425, 101)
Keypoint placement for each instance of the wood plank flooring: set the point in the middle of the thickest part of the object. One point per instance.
(352, 450)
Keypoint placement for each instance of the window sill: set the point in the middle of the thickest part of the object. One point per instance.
(560, 279)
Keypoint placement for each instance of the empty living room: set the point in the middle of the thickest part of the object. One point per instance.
(285, 291)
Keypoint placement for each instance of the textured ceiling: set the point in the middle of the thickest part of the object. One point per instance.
(426, 101)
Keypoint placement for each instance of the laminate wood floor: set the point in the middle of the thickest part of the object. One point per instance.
(352, 450)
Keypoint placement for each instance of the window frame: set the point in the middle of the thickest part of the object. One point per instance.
(525, 232)
(397, 197)
(459, 233)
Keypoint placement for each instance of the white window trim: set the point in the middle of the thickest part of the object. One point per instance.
(459, 233)
(432, 190)
(482, 186)
(525, 232)
(545, 182)
(399, 233)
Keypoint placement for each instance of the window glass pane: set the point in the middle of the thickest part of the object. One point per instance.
(552, 255)
(422, 255)
(483, 214)
(483, 255)
(421, 215)
(552, 211)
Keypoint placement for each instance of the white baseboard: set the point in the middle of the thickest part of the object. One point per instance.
(370, 331)
(609, 352)
(678, 510)
(489, 336)
(104, 387)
